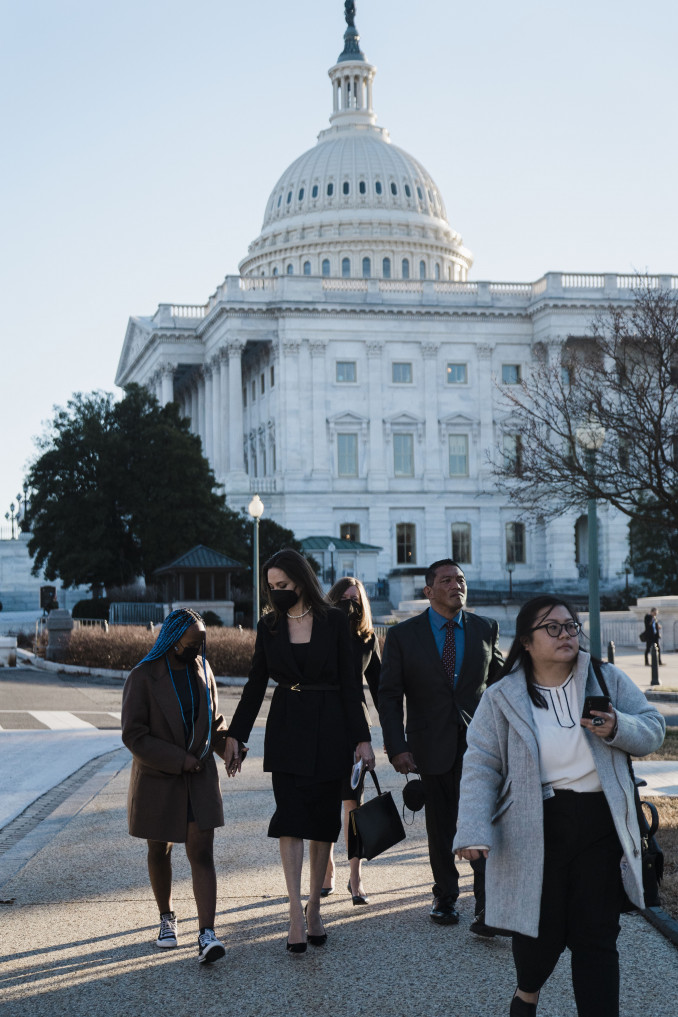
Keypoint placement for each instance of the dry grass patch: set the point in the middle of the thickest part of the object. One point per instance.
(229, 651)
(667, 838)
(669, 750)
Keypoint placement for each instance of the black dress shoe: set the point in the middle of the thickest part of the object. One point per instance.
(519, 1008)
(444, 912)
(357, 898)
(314, 940)
(479, 928)
(296, 947)
(326, 891)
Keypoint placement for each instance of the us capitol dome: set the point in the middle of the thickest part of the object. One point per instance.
(356, 205)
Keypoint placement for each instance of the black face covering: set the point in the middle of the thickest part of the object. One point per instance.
(188, 655)
(414, 795)
(352, 608)
(283, 600)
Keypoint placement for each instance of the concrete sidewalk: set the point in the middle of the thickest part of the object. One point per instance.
(78, 921)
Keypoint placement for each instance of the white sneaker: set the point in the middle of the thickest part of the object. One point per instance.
(209, 947)
(167, 937)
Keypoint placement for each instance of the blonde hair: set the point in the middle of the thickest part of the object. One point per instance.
(364, 629)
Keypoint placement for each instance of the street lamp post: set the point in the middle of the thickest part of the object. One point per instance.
(510, 568)
(591, 436)
(331, 548)
(256, 510)
(11, 518)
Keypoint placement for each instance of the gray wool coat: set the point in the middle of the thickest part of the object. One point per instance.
(501, 795)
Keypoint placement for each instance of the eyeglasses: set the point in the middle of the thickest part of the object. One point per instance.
(553, 629)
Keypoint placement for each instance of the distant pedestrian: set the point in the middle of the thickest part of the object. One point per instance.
(350, 596)
(172, 727)
(315, 724)
(547, 798)
(652, 635)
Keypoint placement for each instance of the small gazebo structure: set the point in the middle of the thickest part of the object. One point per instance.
(200, 579)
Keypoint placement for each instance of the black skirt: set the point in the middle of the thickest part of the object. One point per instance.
(306, 808)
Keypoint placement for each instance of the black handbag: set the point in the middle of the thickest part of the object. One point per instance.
(374, 826)
(652, 856)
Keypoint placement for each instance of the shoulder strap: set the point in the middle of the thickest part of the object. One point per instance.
(598, 671)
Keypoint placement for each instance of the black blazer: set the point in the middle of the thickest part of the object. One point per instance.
(412, 672)
(313, 733)
(368, 665)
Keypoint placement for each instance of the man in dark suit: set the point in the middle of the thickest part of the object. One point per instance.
(438, 664)
(653, 633)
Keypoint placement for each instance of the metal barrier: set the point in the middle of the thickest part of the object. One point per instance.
(90, 623)
(135, 613)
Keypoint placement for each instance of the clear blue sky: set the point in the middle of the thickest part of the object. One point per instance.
(142, 138)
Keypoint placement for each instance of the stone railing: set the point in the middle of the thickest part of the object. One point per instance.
(258, 282)
(635, 282)
(354, 285)
(188, 310)
(455, 287)
(522, 289)
(582, 282)
(262, 485)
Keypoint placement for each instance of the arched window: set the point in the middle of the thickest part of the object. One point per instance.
(314, 192)
(394, 189)
(290, 269)
(301, 194)
(325, 269)
(346, 187)
(367, 268)
(307, 268)
(346, 268)
(386, 268)
(408, 192)
(437, 271)
(362, 187)
(377, 186)
(422, 269)
(279, 200)
(289, 197)
(406, 268)
(275, 271)
(330, 190)
(515, 542)
(419, 192)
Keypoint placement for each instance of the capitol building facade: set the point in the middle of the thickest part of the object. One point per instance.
(352, 372)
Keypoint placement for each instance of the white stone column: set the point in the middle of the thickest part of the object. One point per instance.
(377, 479)
(321, 457)
(167, 383)
(433, 479)
(290, 461)
(216, 417)
(200, 385)
(209, 445)
(223, 424)
(237, 478)
(195, 415)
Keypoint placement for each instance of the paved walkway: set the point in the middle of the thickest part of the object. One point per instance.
(78, 922)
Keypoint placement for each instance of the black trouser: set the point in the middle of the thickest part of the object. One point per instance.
(648, 650)
(442, 806)
(580, 903)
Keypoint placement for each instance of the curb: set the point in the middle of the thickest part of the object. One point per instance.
(663, 922)
(102, 672)
(661, 697)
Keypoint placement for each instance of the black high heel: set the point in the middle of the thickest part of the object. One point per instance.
(357, 898)
(519, 1008)
(314, 940)
(296, 947)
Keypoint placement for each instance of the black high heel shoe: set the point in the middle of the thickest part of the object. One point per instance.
(315, 940)
(519, 1008)
(357, 898)
(296, 947)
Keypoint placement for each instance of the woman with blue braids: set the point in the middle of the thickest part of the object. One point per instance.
(172, 727)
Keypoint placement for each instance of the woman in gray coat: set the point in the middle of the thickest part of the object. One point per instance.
(547, 798)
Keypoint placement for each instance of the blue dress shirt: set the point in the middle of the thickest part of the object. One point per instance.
(439, 631)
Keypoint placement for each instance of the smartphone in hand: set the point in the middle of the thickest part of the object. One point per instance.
(600, 703)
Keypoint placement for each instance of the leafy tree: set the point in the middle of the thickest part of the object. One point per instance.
(654, 553)
(623, 377)
(120, 488)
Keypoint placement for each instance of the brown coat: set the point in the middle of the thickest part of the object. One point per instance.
(152, 729)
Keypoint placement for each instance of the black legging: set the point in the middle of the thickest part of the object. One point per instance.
(580, 903)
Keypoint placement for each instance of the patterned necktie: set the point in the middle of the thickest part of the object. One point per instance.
(449, 657)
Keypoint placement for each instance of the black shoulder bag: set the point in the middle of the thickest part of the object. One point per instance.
(375, 825)
(652, 854)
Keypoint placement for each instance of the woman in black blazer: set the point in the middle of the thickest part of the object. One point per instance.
(350, 596)
(316, 722)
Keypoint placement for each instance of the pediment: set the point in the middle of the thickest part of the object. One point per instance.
(137, 336)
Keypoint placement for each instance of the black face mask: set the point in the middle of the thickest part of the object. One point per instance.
(352, 608)
(414, 795)
(188, 655)
(283, 600)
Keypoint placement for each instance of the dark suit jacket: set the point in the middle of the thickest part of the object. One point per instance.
(412, 671)
(368, 665)
(311, 734)
(153, 731)
(651, 636)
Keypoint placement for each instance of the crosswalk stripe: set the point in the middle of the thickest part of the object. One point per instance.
(60, 720)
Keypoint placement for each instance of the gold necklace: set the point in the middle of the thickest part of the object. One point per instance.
(298, 617)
